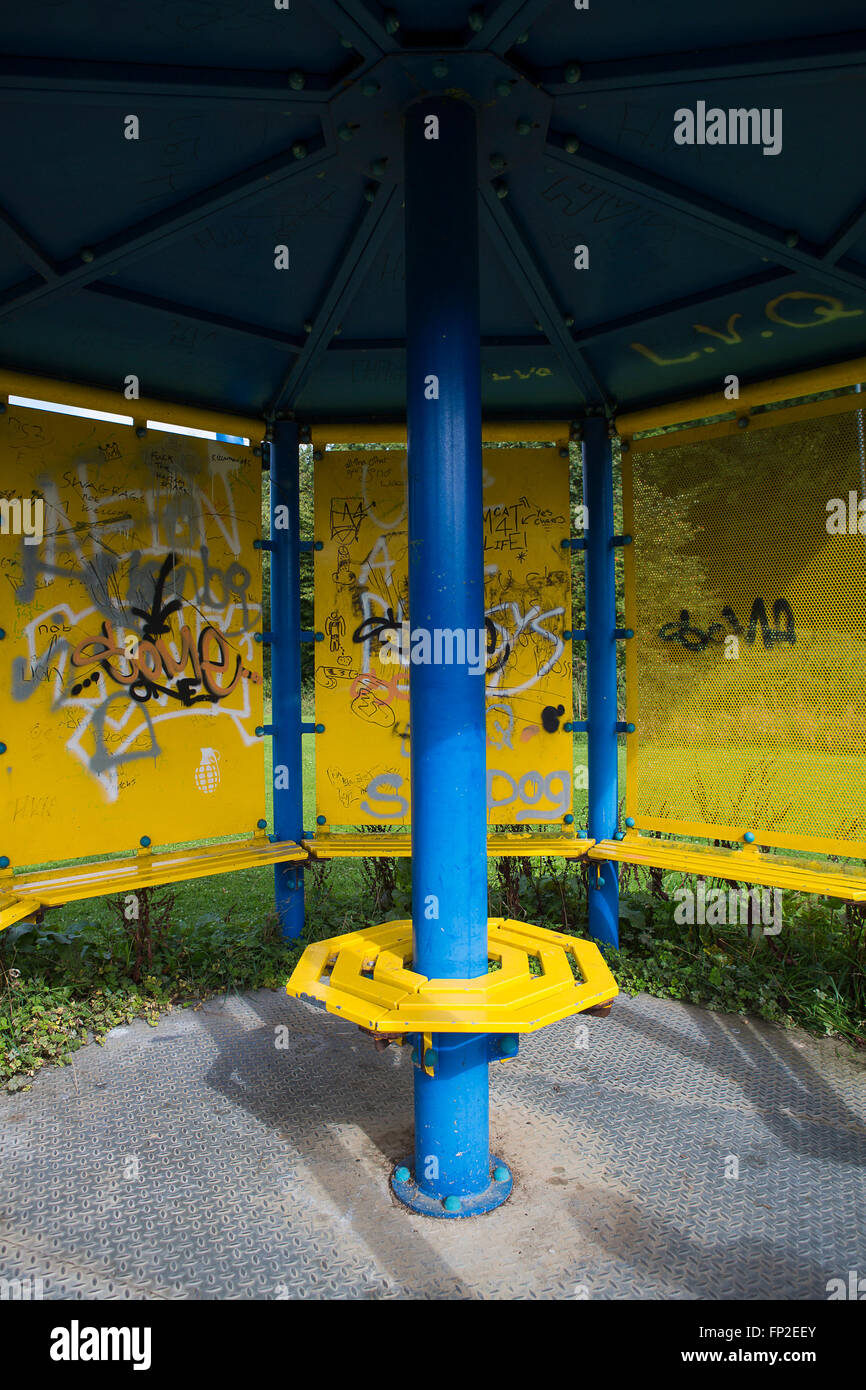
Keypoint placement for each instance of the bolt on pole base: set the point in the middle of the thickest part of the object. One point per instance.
(407, 1192)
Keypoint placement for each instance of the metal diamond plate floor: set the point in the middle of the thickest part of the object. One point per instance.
(199, 1159)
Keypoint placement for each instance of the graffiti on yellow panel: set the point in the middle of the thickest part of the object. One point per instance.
(364, 661)
(132, 682)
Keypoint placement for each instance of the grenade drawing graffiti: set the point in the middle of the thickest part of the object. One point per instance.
(207, 774)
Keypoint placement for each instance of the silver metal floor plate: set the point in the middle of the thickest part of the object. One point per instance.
(664, 1152)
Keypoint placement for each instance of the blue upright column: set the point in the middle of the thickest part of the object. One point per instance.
(286, 668)
(446, 593)
(601, 674)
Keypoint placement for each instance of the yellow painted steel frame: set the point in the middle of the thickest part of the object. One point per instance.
(365, 977)
(633, 847)
(746, 865)
(492, 432)
(399, 846)
(785, 388)
(115, 403)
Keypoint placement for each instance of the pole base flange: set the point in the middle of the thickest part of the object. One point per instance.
(453, 1208)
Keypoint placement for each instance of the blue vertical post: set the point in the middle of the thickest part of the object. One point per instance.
(446, 592)
(601, 649)
(286, 668)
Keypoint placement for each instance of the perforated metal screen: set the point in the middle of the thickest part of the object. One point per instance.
(746, 588)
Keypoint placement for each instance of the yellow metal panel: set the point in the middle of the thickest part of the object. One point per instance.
(751, 710)
(361, 583)
(133, 683)
(502, 1001)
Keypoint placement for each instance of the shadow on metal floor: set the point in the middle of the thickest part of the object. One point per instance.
(199, 1159)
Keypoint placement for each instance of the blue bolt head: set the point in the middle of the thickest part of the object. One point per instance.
(140, 431)
(320, 728)
(320, 637)
(2, 747)
(402, 1174)
(572, 144)
(501, 1173)
(318, 545)
(600, 881)
(260, 731)
(297, 81)
(144, 841)
(508, 1045)
(568, 820)
(431, 1057)
(572, 73)
(452, 1204)
(629, 632)
(629, 820)
(261, 825)
(415, 1056)
(619, 834)
(2, 633)
(629, 728)
(749, 837)
(4, 861)
(321, 820)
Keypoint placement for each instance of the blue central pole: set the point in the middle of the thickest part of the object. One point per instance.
(446, 594)
(601, 693)
(286, 669)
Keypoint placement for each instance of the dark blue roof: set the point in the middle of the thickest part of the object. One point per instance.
(261, 126)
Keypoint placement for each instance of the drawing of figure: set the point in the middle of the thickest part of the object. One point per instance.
(344, 573)
(335, 628)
